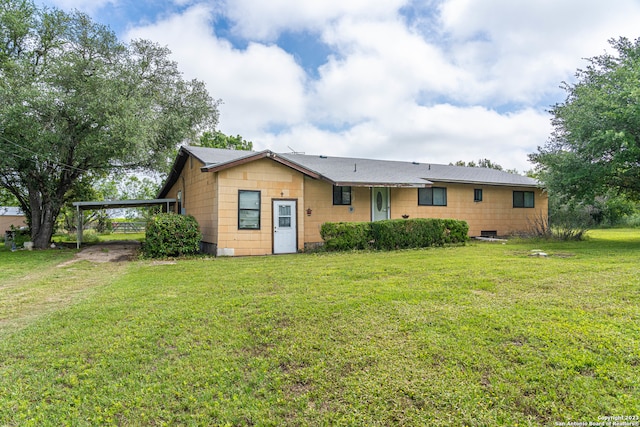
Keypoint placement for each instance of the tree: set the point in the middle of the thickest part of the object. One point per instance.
(218, 139)
(131, 187)
(7, 199)
(483, 163)
(75, 103)
(594, 149)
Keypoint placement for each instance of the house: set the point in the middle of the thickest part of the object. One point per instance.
(257, 203)
(11, 216)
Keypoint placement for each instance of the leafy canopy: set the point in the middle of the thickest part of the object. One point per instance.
(218, 139)
(77, 104)
(595, 146)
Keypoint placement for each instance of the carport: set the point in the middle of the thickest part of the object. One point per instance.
(115, 204)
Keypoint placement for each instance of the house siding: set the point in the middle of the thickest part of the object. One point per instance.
(6, 221)
(319, 198)
(212, 198)
(494, 213)
(199, 197)
(274, 181)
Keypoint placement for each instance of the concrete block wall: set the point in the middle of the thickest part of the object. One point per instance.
(6, 221)
(199, 197)
(494, 213)
(274, 181)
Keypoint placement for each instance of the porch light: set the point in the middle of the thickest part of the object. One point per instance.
(309, 211)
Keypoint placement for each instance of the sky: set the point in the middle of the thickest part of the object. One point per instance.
(433, 81)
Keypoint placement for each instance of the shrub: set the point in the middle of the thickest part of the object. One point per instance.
(341, 236)
(417, 233)
(456, 231)
(632, 221)
(19, 235)
(90, 236)
(171, 235)
(104, 225)
(565, 222)
(393, 234)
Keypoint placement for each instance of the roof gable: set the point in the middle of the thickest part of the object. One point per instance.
(218, 156)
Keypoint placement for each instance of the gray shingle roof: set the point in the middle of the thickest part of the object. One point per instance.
(352, 171)
(212, 156)
(368, 172)
(10, 211)
(394, 173)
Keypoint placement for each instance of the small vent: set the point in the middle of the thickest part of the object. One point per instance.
(489, 233)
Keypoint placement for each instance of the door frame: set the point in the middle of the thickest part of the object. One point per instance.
(273, 224)
(387, 190)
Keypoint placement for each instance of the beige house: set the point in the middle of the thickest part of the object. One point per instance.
(258, 203)
(11, 216)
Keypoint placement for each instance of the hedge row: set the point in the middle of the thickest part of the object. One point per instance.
(169, 234)
(393, 234)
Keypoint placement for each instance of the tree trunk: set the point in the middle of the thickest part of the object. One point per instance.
(42, 239)
(43, 218)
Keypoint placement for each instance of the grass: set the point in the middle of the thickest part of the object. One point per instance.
(477, 335)
(90, 236)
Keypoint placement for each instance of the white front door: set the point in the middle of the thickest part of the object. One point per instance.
(285, 230)
(380, 204)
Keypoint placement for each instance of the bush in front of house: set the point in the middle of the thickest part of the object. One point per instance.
(343, 236)
(169, 234)
(394, 234)
(456, 231)
(417, 233)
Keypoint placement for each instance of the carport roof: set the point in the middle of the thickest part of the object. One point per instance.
(117, 204)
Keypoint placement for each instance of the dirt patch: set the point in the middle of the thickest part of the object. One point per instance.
(116, 251)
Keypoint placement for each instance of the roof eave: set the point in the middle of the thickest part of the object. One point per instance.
(176, 169)
(261, 155)
(499, 184)
(381, 184)
(216, 167)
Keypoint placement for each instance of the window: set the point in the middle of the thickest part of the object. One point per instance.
(434, 196)
(523, 199)
(284, 216)
(341, 195)
(248, 210)
(477, 195)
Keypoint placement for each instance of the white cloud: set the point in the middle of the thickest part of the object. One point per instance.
(468, 80)
(260, 86)
(378, 65)
(521, 51)
(264, 20)
(438, 134)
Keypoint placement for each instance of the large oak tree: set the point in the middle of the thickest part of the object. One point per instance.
(595, 147)
(77, 103)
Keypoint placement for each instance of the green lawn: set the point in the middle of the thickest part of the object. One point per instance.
(479, 335)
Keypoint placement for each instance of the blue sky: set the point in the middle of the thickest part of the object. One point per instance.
(426, 80)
